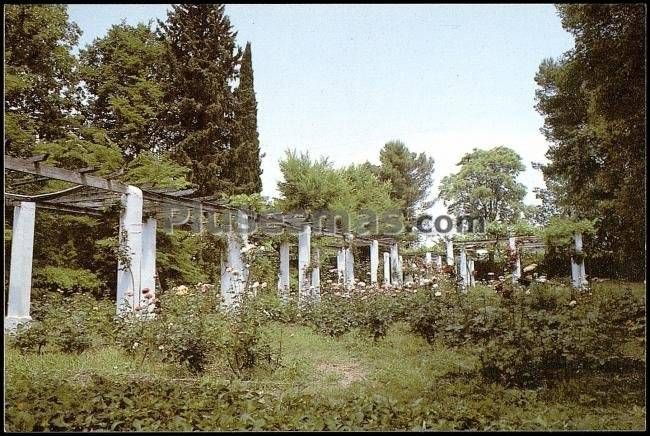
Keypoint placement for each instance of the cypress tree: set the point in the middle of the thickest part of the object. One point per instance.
(199, 119)
(248, 169)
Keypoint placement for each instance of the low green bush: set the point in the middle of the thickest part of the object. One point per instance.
(67, 280)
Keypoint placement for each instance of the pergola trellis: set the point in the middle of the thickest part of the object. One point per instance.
(91, 195)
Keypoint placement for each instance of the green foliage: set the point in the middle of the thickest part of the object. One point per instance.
(593, 102)
(560, 231)
(247, 346)
(71, 323)
(352, 192)
(30, 337)
(246, 174)
(179, 257)
(40, 74)
(156, 171)
(120, 71)
(409, 177)
(200, 60)
(253, 202)
(67, 280)
(486, 186)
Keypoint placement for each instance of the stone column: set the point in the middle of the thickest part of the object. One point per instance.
(578, 273)
(400, 269)
(283, 282)
(462, 270)
(472, 281)
(340, 265)
(349, 268)
(395, 277)
(149, 255)
(20, 270)
(516, 269)
(374, 261)
(427, 258)
(386, 268)
(304, 254)
(315, 277)
(450, 252)
(235, 273)
(129, 289)
(438, 262)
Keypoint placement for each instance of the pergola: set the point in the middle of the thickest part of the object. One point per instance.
(141, 209)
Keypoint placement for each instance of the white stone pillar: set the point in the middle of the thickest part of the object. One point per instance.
(340, 265)
(349, 268)
(516, 269)
(439, 262)
(462, 271)
(304, 253)
(400, 269)
(450, 252)
(149, 255)
(129, 289)
(283, 281)
(395, 277)
(374, 261)
(578, 273)
(386, 269)
(315, 277)
(235, 273)
(427, 258)
(20, 270)
(472, 281)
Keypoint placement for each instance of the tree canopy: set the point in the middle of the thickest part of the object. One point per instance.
(486, 186)
(593, 102)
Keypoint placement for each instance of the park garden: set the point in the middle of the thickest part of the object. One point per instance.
(149, 286)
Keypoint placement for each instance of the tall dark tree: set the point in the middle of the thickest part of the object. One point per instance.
(410, 176)
(593, 103)
(199, 118)
(247, 166)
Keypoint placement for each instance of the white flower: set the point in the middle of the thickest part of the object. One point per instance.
(527, 291)
(255, 285)
(573, 303)
(135, 345)
(263, 285)
(161, 348)
(438, 294)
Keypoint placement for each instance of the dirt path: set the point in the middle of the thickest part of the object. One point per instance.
(349, 372)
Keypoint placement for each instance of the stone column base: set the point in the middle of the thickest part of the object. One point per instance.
(12, 322)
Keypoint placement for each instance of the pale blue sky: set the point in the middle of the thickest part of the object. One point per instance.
(341, 80)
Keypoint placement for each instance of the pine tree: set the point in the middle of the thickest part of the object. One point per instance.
(199, 116)
(247, 157)
(410, 175)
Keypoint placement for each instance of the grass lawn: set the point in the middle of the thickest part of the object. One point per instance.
(401, 367)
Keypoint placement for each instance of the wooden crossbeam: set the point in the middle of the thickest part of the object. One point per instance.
(36, 168)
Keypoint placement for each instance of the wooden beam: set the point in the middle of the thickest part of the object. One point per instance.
(36, 168)
(58, 207)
